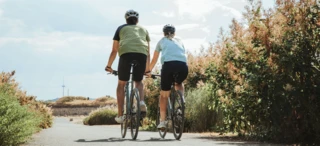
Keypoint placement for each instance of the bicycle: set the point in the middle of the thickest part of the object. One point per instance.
(175, 111)
(132, 110)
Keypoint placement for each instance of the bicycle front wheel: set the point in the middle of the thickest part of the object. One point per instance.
(124, 125)
(134, 113)
(178, 108)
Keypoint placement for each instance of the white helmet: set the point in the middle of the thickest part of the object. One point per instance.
(131, 13)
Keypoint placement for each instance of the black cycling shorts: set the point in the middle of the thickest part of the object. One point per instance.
(169, 69)
(125, 66)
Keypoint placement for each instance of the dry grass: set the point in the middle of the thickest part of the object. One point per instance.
(86, 103)
(101, 116)
(77, 105)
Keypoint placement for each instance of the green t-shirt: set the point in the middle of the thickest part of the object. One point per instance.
(132, 39)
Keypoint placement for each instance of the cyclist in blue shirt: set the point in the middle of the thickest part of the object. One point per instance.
(173, 60)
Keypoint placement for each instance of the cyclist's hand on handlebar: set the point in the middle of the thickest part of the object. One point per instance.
(109, 69)
(148, 74)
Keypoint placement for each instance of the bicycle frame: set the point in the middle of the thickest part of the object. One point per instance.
(129, 88)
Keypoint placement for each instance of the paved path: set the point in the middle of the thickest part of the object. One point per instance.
(65, 133)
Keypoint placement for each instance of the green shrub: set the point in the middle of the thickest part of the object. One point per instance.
(266, 74)
(17, 123)
(101, 116)
(149, 125)
(10, 87)
(200, 114)
(152, 94)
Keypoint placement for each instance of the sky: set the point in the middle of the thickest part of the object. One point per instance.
(48, 42)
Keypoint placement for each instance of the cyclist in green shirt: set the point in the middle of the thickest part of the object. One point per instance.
(131, 42)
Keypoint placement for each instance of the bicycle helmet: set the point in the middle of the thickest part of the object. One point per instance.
(169, 28)
(131, 13)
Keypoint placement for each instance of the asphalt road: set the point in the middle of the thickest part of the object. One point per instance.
(66, 133)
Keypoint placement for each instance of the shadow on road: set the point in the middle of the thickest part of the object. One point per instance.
(234, 141)
(121, 140)
(156, 140)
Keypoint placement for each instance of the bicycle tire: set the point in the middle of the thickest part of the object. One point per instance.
(178, 108)
(164, 132)
(134, 115)
(124, 125)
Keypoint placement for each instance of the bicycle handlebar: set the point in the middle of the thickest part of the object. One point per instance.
(114, 72)
(153, 76)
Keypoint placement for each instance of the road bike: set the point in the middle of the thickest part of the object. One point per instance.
(175, 111)
(132, 107)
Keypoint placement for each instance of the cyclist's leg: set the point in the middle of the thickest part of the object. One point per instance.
(166, 82)
(182, 69)
(180, 87)
(138, 72)
(123, 76)
(120, 96)
(164, 95)
(139, 85)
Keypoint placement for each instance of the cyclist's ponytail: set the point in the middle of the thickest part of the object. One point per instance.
(169, 35)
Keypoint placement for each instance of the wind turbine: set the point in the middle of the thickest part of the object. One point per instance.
(63, 88)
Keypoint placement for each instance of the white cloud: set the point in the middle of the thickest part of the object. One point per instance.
(233, 11)
(165, 14)
(58, 42)
(187, 26)
(154, 29)
(197, 9)
(157, 29)
(1, 11)
(193, 44)
(206, 29)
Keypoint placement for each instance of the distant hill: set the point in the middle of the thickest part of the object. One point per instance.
(53, 100)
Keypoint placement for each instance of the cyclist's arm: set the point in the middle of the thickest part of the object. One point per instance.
(154, 59)
(114, 52)
(148, 59)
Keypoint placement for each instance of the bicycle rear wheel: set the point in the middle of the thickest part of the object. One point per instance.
(134, 113)
(162, 133)
(178, 108)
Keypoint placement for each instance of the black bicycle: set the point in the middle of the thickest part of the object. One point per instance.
(132, 108)
(175, 111)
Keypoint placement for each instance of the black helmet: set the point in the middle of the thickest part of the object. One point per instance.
(169, 28)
